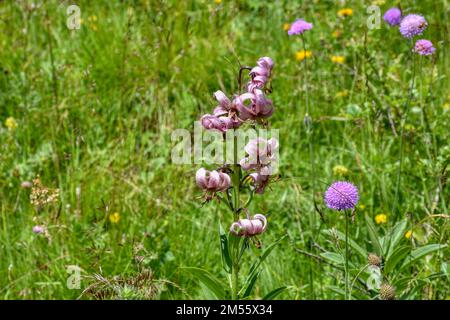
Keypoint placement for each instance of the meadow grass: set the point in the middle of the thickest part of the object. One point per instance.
(95, 109)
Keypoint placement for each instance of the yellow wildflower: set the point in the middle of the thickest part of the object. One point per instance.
(408, 234)
(339, 170)
(92, 18)
(11, 123)
(300, 55)
(217, 1)
(446, 106)
(342, 94)
(338, 59)
(345, 12)
(337, 34)
(381, 218)
(361, 207)
(286, 26)
(114, 218)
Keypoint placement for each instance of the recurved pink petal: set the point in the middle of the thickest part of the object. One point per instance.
(263, 220)
(225, 181)
(213, 180)
(265, 62)
(200, 178)
(223, 100)
(259, 71)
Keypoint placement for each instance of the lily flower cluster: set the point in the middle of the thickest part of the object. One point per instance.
(410, 26)
(254, 107)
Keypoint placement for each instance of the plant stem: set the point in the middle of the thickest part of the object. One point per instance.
(235, 281)
(236, 195)
(236, 185)
(309, 131)
(346, 257)
(403, 121)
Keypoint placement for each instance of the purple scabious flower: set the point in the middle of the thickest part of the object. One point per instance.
(412, 25)
(393, 16)
(424, 47)
(341, 195)
(299, 26)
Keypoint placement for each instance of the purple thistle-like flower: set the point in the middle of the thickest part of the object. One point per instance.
(393, 16)
(412, 25)
(299, 26)
(424, 47)
(341, 195)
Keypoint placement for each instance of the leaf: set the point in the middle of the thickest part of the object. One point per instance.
(224, 249)
(265, 254)
(274, 293)
(333, 257)
(397, 234)
(253, 273)
(374, 236)
(211, 282)
(251, 284)
(418, 253)
(395, 258)
(351, 242)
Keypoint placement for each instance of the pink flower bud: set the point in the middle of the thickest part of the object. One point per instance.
(38, 229)
(249, 227)
(26, 184)
(212, 180)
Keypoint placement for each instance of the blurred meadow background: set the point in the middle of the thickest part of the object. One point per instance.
(86, 117)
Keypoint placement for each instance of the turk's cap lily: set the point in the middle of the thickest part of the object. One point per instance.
(253, 105)
(223, 117)
(261, 153)
(249, 227)
(212, 180)
(260, 181)
(219, 122)
(260, 74)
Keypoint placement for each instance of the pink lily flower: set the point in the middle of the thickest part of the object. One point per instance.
(253, 105)
(223, 117)
(212, 180)
(249, 227)
(261, 153)
(260, 181)
(260, 74)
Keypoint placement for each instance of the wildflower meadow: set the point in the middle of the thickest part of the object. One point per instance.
(231, 150)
